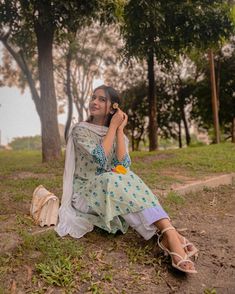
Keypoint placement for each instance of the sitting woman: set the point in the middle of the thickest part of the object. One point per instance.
(99, 189)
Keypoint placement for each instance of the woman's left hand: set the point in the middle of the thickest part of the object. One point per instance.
(124, 123)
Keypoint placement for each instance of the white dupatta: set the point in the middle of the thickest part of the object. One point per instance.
(69, 222)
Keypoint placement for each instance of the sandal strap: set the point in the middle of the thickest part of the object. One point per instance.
(167, 229)
(184, 260)
(160, 235)
(176, 254)
(187, 243)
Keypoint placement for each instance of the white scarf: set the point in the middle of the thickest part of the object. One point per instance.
(99, 130)
(69, 222)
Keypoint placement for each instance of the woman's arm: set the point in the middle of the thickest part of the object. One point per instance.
(121, 145)
(108, 139)
(116, 121)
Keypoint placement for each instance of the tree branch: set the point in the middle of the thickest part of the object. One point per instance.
(20, 60)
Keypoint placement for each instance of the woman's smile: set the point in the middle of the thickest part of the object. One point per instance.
(93, 108)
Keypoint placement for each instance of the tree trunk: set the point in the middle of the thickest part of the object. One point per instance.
(233, 130)
(132, 140)
(51, 146)
(214, 98)
(218, 70)
(180, 135)
(153, 144)
(69, 94)
(187, 134)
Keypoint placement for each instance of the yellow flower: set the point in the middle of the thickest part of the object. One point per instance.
(120, 169)
(115, 105)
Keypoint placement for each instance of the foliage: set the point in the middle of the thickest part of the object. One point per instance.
(135, 105)
(65, 19)
(169, 26)
(26, 143)
(174, 89)
(32, 27)
(225, 65)
(162, 29)
(92, 49)
(60, 261)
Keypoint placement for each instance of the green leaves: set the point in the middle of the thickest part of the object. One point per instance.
(59, 272)
(169, 26)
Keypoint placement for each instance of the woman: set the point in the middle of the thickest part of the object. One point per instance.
(100, 189)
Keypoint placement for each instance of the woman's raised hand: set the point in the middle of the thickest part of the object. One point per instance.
(119, 119)
(124, 122)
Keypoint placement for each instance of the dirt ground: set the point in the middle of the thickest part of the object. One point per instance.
(132, 265)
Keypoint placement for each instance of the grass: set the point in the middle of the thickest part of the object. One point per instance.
(172, 200)
(88, 265)
(210, 291)
(160, 169)
(212, 158)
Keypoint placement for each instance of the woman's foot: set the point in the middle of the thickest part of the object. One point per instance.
(171, 244)
(188, 247)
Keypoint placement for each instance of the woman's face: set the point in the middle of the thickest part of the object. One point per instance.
(100, 104)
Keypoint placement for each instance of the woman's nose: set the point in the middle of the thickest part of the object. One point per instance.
(95, 100)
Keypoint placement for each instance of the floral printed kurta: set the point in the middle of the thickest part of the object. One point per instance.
(107, 194)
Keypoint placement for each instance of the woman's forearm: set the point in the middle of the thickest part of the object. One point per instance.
(109, 139)
(121, 146)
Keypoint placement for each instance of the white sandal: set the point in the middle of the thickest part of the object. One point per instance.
(192, 252)
(168, 252)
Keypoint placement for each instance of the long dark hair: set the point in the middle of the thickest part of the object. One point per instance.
(111, 93)
(113, 96)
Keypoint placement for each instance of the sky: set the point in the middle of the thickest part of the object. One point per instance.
(18, 115)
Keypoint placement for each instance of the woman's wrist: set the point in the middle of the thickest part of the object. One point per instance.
(113, 128)
(120, 131)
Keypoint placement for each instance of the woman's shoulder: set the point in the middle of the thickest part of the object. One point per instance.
(79, 128)
(90, 128)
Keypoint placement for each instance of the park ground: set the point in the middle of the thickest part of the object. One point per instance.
(36, 260)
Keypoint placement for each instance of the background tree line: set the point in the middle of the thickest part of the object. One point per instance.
(153, 52)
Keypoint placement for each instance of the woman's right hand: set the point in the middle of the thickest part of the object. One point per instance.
(117, 118)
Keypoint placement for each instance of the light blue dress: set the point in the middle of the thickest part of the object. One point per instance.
(105, 198)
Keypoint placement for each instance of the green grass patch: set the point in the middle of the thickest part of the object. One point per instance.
(210, 291)
(142, 255)
(60, 260)
(195, 162)
(172, 201)
(174, 198)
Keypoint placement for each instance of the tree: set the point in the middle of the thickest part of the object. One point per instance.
(175, 97)
(135, 105)
(159, 30)
(225, 85)
(129, 80)
(86, 61)
(33, 26)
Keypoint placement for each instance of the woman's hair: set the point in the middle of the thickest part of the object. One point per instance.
(113, 96)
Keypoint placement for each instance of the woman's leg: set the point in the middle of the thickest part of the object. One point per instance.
(172, 242)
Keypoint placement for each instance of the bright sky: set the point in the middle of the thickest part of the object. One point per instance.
(18, 116)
